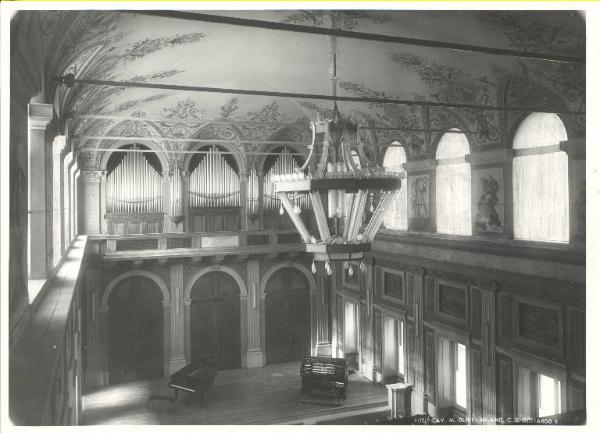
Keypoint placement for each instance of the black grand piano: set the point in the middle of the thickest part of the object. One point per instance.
(194, 379)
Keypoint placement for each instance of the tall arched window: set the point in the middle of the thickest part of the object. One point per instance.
(453, 184)
(393, 161)
(540, 180)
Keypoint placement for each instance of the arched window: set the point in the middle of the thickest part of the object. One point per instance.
(453, 185)
(395, 218)
(540, 180)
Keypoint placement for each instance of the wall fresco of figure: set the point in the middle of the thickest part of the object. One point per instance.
(489, 205)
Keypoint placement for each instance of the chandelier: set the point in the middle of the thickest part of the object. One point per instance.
(349, 194)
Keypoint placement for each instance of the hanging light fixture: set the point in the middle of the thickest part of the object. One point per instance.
(356, 192)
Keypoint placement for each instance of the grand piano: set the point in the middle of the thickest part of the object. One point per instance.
(194, 379)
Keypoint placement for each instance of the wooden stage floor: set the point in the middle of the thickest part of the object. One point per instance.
(267, 395)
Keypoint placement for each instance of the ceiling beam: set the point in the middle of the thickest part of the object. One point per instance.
(69, 80)
(271, 25)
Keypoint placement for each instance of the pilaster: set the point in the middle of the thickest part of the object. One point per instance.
(177, 357)
(488, 351)
(255, 356)
(39, 116)
(92, 215)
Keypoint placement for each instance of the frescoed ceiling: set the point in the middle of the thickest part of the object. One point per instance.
(117, 46)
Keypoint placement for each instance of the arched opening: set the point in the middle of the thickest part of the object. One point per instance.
(215, 320)
(135, 331)
(396, 216)
(287, 316)
(453, 184)
(214, 190)
(134, 199)
(540, 180)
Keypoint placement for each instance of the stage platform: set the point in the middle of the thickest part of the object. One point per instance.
(267, 395)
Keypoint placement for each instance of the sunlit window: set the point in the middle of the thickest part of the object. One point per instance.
(395, 217)
(540, 182)
(460, 376)
(453, 185)
(452, 374)
(350, 327)
(539, 395)
(549, 396)
(401, 348)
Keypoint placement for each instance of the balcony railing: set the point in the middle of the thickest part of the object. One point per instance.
(197, 244)
(45, 361)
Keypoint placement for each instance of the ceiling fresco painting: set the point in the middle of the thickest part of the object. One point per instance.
(114, 46)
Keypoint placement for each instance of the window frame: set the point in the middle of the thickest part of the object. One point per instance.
(448, 402)
(456, 160)
(537, 150)
(533, 371)
(404, 187)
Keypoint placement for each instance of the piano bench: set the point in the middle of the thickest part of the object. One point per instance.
(161, 398)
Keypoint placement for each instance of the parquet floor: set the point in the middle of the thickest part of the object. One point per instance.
(267, 395)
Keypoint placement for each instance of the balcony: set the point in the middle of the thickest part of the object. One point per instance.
(164, 246)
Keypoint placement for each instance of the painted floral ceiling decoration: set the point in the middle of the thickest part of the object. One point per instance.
(110, 45)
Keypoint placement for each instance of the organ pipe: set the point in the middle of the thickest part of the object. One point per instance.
(252, 192)
(134, 186)
(284, 164)
(176, 199)
(213, 183)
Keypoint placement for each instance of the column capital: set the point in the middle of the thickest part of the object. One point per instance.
(39, 115)
(94, 175)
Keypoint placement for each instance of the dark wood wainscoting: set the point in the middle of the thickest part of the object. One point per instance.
(215, 321)
(287, 317)
(135, 331)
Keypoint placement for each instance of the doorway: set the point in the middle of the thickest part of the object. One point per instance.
(287, 316)
(135, 331)
(215, 321)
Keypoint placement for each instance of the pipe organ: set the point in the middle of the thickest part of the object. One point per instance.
(176, 198)
(134, 186)
(253, 193)
(284, 164)
(214, 183)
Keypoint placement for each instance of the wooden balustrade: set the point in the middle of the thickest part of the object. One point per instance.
(45, 359)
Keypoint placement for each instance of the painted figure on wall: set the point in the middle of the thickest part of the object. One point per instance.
(420, 197)
(487, 219)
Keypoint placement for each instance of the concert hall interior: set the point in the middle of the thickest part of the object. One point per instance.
(181, 250)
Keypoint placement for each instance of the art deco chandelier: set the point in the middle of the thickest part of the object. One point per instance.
(349, 194)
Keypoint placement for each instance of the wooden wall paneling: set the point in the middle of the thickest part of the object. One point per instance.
(505, 397)
(575, 341)
(575, 394)
(504, 319)
(488, 349)
(538, 327)
(476, 403)
(430, 362)
(475, 314)
(419, 373)
(377, 343)
(429, 297)
(410, 347)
